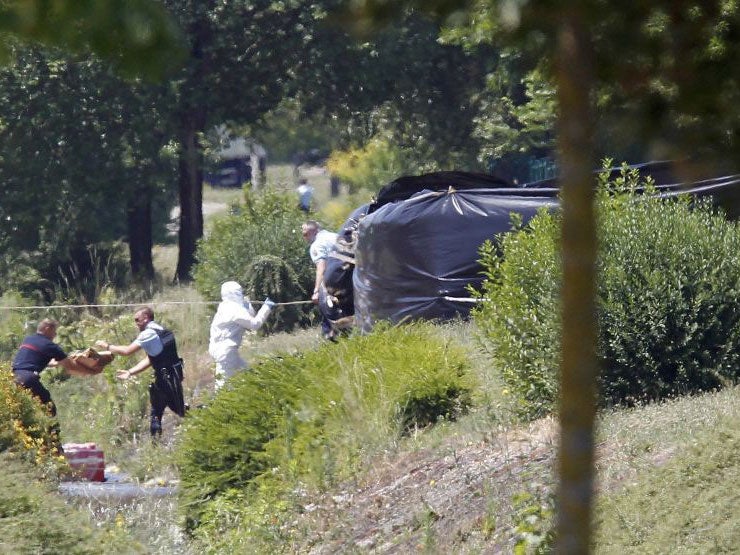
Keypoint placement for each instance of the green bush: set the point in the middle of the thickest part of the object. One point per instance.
(518, 324)
(313, 417)
(376, 163)
(669, 280)
(261, 247)
(25, 426)
(13, 323)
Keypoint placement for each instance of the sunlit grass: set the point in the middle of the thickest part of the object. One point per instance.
(670, 478)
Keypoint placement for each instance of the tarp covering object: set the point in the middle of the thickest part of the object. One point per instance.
(416, 256)
(417, 248)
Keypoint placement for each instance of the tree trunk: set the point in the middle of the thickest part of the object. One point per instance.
(579, 366)
(139, 221)
(191, 193)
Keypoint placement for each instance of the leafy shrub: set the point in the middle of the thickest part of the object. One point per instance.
(669, 279)
(25, 427)
(312, 417)
(518, 324)
(12, 323)
(373, 165)
(94, 269)
(261, 247)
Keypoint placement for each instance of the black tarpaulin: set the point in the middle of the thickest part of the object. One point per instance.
(417, 248)
(416, 257)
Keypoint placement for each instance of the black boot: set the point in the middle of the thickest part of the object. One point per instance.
(156, 427)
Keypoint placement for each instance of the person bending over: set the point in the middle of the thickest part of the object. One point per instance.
(161, 354)
(35, 354)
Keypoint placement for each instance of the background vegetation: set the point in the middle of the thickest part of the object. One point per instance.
(260, 246)
(668, 320)
(313, 419)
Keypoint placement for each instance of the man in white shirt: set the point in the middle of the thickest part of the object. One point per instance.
(322, 244)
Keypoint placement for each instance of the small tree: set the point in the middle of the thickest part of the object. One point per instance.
(261, 247)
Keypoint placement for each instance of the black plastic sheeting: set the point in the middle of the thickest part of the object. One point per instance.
(417, 248)
(408, 185)
(416, 257)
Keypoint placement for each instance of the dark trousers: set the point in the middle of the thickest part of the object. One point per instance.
(165, 391)
(32, 382)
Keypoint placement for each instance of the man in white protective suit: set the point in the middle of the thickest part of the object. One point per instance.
(233, 317)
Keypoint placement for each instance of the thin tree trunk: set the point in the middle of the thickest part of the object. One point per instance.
(579, 366)
(191, 195)
(139, 221)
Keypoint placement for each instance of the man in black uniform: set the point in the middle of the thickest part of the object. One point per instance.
(161, 354)
(36, 353)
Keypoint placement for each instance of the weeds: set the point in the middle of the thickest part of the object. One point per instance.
(687, 505)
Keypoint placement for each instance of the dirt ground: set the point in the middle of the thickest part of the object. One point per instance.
(455, 498)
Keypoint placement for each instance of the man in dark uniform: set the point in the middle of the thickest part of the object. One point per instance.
(161, 354)
(36, 353)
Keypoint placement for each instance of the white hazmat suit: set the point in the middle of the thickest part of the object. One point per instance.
(233, 317)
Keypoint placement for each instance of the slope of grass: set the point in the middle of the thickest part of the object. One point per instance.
(670, 476)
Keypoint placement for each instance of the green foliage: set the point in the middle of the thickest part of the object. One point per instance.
(513, 122)
(285, 132)
(670, 280)
(312, 418)
(34, 518)
(668, 318)
(86, 280)
(261, 247)
(373, 165)
(533, 519)
(269, 275)
(99, 166)
(688, 504)
(138, 35)
(25, 426)
(13, 323)
(519, 322)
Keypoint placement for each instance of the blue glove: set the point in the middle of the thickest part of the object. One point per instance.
(269, 303)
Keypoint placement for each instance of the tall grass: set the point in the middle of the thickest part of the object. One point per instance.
(671, 487)
(313, 418)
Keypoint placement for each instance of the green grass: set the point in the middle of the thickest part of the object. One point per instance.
(669, 477)
(35, 519)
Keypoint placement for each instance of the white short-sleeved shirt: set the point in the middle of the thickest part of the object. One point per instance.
(322, 245)
(149, 340)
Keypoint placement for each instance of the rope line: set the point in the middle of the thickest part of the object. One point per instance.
(119, 305)
(159, 303)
